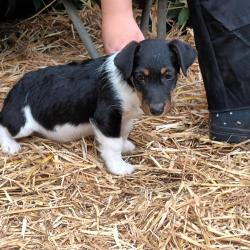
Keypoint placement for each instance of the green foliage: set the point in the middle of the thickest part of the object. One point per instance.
(183, 17)
(179, 12)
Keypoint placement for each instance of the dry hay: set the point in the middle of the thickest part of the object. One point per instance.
(188, 192)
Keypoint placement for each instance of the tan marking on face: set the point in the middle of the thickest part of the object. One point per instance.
(167, 107)
(146, 72)
(145, 108)
(163, 71)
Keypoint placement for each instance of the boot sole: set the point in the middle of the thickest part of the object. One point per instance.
(229, 136)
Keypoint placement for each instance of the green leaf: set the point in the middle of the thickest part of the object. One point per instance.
(174, 9)
(183, 17)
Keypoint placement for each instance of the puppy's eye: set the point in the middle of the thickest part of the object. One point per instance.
(168, 77)
(139, 77)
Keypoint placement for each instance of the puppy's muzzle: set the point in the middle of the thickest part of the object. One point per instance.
(156, 108)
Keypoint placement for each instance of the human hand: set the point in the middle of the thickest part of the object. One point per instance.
(118, 25)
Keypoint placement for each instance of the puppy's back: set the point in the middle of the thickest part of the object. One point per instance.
(55, 95)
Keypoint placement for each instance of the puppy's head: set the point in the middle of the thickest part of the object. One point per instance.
(151, 67)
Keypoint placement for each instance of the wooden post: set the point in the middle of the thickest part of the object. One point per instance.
(74, 17)
(145, 16)
(161, 19)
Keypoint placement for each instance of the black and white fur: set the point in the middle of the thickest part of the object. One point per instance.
(99, 97)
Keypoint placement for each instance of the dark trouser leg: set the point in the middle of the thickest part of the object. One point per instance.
(222, 36)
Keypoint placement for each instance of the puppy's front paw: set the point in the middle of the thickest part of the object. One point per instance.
(120, 168)
(10, 147)
(127, 146)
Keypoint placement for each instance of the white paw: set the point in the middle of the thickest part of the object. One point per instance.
(10, 147)
(120, 168)
(127, 146)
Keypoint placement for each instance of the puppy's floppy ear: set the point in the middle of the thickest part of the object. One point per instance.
(124, 60)
(185, 54)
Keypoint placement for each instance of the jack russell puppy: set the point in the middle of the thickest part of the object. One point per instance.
(98, 96)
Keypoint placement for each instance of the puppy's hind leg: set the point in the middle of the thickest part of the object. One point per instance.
(8, 144)
(22, 126)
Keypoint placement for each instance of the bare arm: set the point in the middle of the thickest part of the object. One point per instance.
(118, 25)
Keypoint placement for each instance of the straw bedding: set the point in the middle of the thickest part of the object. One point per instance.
(187, 193)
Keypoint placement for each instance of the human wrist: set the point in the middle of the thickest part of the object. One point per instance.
(117, 8)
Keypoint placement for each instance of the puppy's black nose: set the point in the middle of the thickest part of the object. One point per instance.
(156, 108)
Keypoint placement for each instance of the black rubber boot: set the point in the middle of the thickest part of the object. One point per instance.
(230, 126)
(222, 37)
